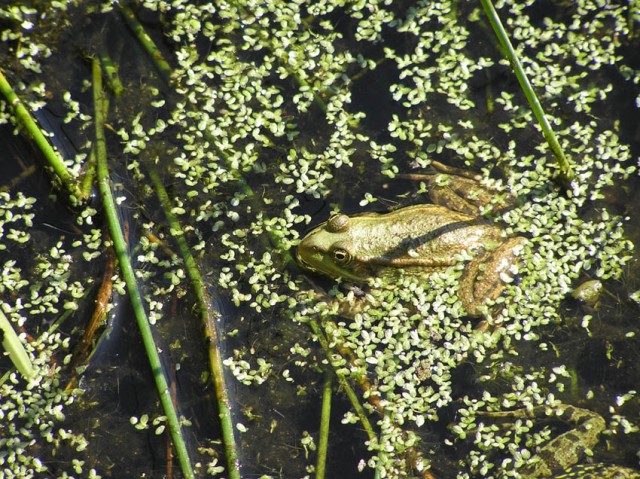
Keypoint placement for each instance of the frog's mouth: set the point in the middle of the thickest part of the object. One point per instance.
(322, 265)
(304, 264)
(301, 262)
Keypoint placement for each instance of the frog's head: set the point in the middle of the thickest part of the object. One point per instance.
(330, 249)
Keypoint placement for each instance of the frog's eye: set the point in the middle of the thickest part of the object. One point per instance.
(341, 256)
(338, 223)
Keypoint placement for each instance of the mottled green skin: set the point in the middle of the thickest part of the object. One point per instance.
(417, 239)
(597, 471)
(420, 236)
(588, 292)
(559, 458)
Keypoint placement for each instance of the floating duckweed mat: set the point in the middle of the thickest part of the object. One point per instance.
(261, 120)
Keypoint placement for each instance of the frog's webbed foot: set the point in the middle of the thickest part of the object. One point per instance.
(459, 194)
(486, 276)
(353, 302)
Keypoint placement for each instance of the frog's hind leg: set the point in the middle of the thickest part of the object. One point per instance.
(486, 275)
(565, 450)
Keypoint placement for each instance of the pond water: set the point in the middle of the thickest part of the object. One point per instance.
(266, 119)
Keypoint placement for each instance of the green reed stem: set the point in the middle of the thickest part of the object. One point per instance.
(325, 417)
(566, 171)
(120, 247)
(166, 71)
(86, 183)
(209, 319)
(284, 62)
(111, 72)
(344, 383)
(53, 158)
(147, 43)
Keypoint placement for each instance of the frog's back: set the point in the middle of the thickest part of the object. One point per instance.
(420, 235)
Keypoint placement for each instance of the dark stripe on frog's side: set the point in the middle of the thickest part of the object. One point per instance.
(419, 238)
(399, 254)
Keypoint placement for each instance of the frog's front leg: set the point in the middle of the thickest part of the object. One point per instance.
(487, 274)
(598, 471)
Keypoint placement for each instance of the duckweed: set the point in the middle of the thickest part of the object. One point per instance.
(265, 126)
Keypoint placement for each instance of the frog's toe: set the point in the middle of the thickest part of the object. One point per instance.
(486, 276)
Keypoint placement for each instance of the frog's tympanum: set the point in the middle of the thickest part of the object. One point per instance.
(419, 239)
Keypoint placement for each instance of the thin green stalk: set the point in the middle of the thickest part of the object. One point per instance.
(344, 383)
(209, 319)
(16, 180)
(111, 71)
(492, 15)
(294, 74)
(120, 247)
(86, 183)
(166, 72)
(156, 55)
(633, 18)
(325, 417)
(52, 157)
(413, 457)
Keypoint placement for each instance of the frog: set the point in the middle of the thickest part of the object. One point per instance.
(560, 457)
(589, 293)
(422, 239)
(425, 238)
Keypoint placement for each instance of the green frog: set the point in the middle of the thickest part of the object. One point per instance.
(421, 239)
(560, 457)
(426, 238)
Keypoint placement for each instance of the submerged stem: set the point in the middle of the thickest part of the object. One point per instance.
(120, 247)
(53, 158)
(325, 417)
(209, 319)
(147, 43)
(534, 103)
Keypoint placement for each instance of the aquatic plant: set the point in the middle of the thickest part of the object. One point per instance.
(260, 115)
